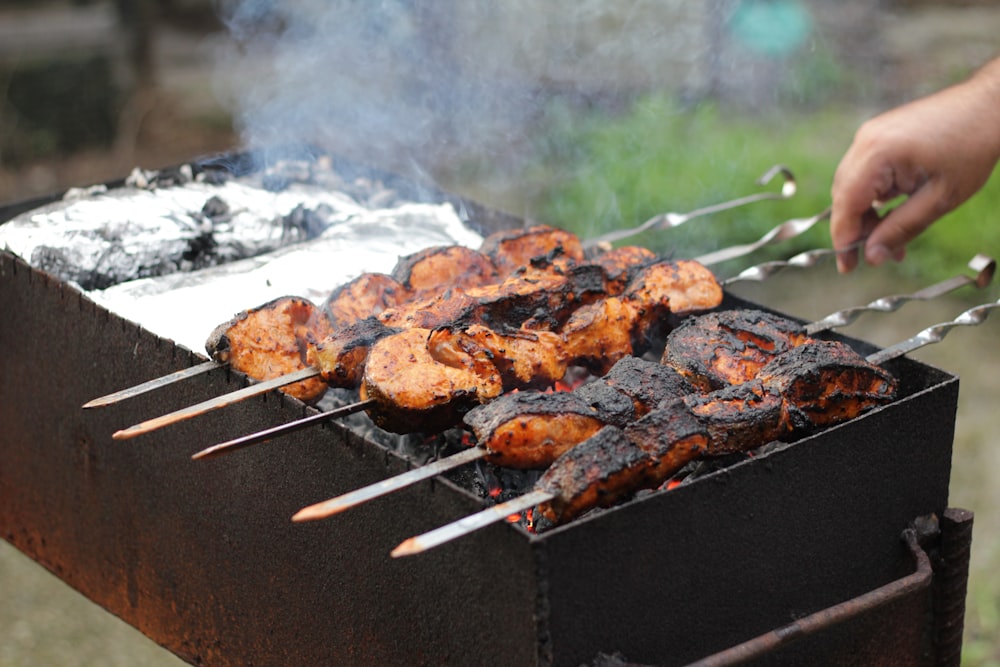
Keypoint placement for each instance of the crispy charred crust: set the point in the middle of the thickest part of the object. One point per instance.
(599, 472)
(827, 382)
(647, 383)
(728, 347)
(672, 435)
(741, 417)
(613, 406)
(621, 265)
(433, 268)
(530, 429)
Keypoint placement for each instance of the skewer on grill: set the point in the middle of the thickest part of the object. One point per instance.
(543, 495)
(982, 264)
(781, 232)
(664, 220)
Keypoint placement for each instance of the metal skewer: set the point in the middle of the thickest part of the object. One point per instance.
(785, 230)
(497, 513)
(669, 220)
(664, 220)
(150, 385)
(213, 403)
(328, 508)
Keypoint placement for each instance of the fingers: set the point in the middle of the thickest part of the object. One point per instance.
(888, 239)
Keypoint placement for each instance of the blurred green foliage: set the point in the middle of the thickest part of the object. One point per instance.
(596, 171)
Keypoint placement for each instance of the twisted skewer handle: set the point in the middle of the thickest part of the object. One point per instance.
(669, 220)
(786, 230)
(985, 266)
(934, 334)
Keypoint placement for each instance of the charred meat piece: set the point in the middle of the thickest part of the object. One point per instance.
(515, 248)
(740, 417)
(621, 264)
(272, 340)
(646, 383)
(439, 267)
(599, 334)
(827, 382)
(367, 295)
(550, 292)
(614, 464)
(413, 392)
(530, 429)
(728, 347)
(341, 355)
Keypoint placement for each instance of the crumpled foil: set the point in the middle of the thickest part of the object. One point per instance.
(181, 258)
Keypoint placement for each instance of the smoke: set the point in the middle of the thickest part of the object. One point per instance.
(380, 81)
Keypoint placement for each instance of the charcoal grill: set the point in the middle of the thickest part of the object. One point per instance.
(838, 549)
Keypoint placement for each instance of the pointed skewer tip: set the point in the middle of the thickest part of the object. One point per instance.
(408, 547)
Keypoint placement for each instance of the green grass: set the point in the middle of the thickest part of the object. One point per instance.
(593, 172)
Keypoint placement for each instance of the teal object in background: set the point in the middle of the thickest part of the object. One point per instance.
(771, 27)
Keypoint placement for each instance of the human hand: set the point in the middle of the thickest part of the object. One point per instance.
(938, 151)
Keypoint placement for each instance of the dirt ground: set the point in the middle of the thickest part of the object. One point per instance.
(44, 622)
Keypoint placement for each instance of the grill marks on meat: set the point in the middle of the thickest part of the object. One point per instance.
(272, 340)
(719, 349)
(342, 354)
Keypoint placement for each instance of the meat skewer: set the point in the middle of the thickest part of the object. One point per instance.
(565, 493)
(744, 331)
(781, 232)
(753, 340)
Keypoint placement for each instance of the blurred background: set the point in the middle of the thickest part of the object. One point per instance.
(587, 114)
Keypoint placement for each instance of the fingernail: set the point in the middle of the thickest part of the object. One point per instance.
(876, 254)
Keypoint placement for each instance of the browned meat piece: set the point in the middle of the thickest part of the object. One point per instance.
(524, 358)
(685, 285)
(614, 407)
(271, 341)
(437, 268)
(367, 295)
(729, 347)
(614, 464)
(513, 249)
(597, 335)
(827, 382)
(415, 393)
(341, 355)
(531, 429)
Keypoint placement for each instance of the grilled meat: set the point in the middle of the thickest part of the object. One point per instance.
(615, 463)
(414, 392)
(432, 269)
(367, 295)
(272, 340)
(806, 388)
(342, 354)
(728, 347)
(530, 429)
(513, 249)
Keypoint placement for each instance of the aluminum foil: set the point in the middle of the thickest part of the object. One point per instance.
(179, 256)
